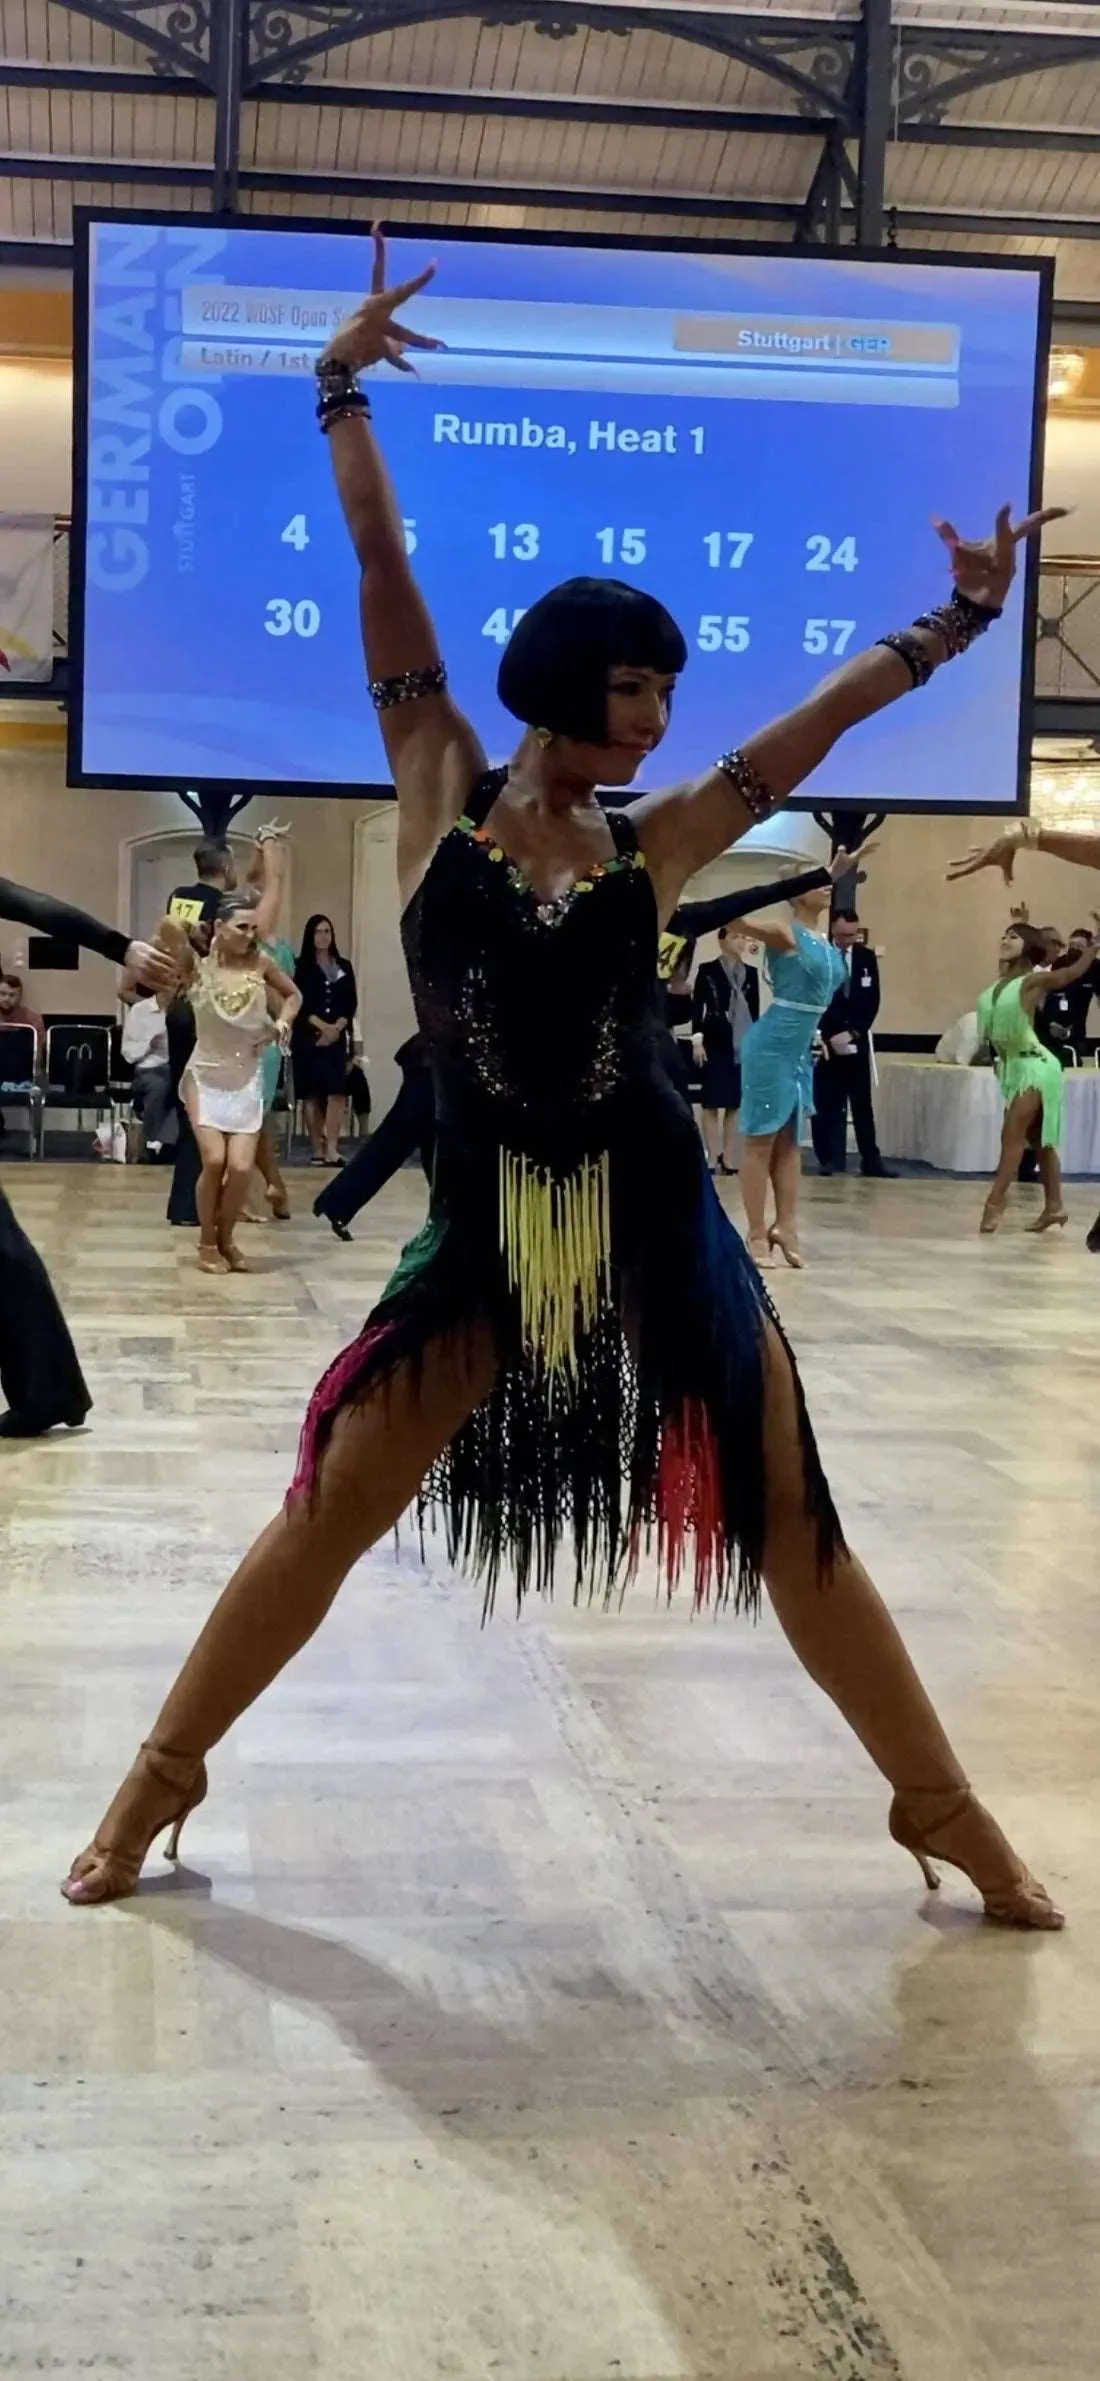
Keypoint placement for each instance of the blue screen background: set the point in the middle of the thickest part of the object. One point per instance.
(218, 647)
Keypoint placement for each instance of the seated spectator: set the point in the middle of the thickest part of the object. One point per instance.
(145, 1048)
(14, 1011)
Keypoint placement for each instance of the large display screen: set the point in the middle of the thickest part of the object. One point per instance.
(759, 438)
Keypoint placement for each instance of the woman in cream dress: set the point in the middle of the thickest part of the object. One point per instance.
(241, 1001)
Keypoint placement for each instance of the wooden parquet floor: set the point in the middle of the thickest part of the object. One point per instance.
(546, 2002)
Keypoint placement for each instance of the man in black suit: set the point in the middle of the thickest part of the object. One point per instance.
(842, 1076)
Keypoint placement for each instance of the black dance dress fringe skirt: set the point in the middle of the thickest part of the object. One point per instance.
(650, 1437)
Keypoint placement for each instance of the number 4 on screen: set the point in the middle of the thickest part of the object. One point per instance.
(296, 533)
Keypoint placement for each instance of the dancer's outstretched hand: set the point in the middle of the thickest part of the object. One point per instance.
(373, 336)
(154, 968)
(1001, 853)
(843, 862)
(984, 568)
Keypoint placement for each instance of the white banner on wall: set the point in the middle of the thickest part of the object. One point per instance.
(26, 596)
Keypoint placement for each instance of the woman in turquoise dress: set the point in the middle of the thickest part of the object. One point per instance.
(777, 1089)
(1030, 1076)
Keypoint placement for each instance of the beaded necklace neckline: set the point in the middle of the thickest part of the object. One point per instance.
(548, 912)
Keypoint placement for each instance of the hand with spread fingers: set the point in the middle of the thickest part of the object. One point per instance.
(1001, 853)
(373, 335)
(983, 568)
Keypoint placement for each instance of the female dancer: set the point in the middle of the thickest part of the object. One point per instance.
(230, 994)
(1081, 845)
(1029, 1074)
(264, 883)
(804, 971)
(40, 1375)
(578, 1311)
(322, 1037)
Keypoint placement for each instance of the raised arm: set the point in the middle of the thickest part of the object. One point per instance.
(775, 933)
(1036, 986)
(683, 828)
(269, 905)
(432, 750)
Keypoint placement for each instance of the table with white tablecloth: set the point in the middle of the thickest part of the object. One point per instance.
(950, 1117)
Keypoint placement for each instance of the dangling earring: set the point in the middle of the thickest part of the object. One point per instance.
(545, 737)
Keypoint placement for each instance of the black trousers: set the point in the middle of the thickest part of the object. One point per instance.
(840, 1084)
(406, 1127)
(185, 1171)
(39, 1372)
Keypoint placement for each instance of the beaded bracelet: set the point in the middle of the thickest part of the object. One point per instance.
(956, 623)
(748, 783)
(408, 686)
(338, 394)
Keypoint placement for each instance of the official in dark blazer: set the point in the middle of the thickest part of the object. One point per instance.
(726, 1003)
(842, 1076)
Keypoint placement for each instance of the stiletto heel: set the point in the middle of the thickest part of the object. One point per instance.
(1045, 1222)
(790, 1250)
(760, 1250)
(956, 1829)
(109, 1871)
(993, 1215)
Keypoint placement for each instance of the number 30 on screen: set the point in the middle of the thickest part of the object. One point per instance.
(284, 619)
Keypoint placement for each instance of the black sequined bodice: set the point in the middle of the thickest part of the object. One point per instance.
(541, 1019)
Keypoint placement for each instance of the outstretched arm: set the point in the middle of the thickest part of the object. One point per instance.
(432, 749)
(680, 830)
(46, 916)
(1026, 834)
(693, 918)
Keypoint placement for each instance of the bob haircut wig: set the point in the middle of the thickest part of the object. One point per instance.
(553, 672)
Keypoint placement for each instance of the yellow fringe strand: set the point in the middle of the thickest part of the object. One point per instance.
(556, 1239)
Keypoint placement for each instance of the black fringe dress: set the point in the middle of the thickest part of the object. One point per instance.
(572, 1212)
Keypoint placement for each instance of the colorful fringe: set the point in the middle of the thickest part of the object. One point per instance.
(555, 1237)
(609, 1450)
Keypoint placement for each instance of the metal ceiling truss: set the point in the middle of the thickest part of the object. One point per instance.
(856, 84)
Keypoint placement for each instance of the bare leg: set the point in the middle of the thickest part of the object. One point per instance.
(756, 1154)
(786, 1173)
(334, 1123)
(845, 1638)
(240, 1157)
(208, 1189)
(729, 1139)
(1054, 1206)
(268, 1165)
(708, 1118)
(315, 1126)
(1020, 1115)
(279, 1595)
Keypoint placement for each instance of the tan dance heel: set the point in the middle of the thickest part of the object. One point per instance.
(109, 1870)
(993, 1215)
(789, 1249)
(279, 1203)
(232, 1259)
(210, 1258)
(954, 1827)
(760, 1250)
(1047, 1220)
